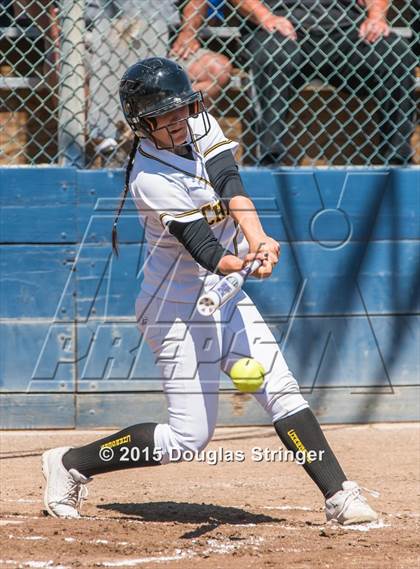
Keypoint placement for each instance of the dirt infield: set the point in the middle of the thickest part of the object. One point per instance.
(233, 514)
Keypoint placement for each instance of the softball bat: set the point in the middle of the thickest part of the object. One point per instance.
(224, 290)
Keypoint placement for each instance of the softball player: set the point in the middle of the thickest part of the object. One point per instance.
(199, 225)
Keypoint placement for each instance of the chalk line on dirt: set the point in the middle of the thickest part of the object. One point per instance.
(34, 564)
(303, 508)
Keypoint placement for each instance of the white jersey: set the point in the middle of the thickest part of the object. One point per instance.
(165, 187)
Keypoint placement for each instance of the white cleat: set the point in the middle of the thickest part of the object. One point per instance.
(65, 489)
(348, 506)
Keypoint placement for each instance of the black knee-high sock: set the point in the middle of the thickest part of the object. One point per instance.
(301, 432)
(130, 448)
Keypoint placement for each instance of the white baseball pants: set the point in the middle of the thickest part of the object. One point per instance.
(191, 350)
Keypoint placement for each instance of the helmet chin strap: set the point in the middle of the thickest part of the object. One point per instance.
(182, 150)
(161, 147)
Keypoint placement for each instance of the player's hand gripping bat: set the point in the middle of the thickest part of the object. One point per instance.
(210, 301)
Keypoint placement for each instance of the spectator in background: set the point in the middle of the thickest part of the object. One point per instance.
(120, 33)
(209, 71)
(293, 41)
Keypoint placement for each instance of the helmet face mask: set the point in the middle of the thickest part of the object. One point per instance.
(150, 125)
(154, 87)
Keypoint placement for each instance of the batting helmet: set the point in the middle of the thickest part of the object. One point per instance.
(154, 86)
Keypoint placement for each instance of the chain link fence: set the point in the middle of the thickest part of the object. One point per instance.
(296, 82)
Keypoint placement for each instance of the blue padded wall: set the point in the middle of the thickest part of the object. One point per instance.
(343, 302)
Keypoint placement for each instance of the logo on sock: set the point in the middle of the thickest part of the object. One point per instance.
(299, 444)
(117, 442)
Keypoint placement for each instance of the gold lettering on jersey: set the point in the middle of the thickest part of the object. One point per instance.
(213, 212)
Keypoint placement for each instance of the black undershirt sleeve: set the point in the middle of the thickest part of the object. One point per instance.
(199, 241)
(224, 176)
(196, 236)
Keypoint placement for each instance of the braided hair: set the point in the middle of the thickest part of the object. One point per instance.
(124, 193)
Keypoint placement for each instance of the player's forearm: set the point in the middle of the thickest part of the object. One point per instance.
(229, 264)
(193, 16)
(243, 211)
(252, 9)
(377, 8)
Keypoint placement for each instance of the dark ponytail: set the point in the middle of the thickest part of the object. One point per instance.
(124, 193)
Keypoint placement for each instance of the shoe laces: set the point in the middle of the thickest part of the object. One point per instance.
(373, 493)
(75, 493)
(356, 494)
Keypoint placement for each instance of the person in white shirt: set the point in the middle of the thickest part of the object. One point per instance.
(199, 225)
(120, 32)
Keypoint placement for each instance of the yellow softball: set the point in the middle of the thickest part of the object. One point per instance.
(247, 375)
